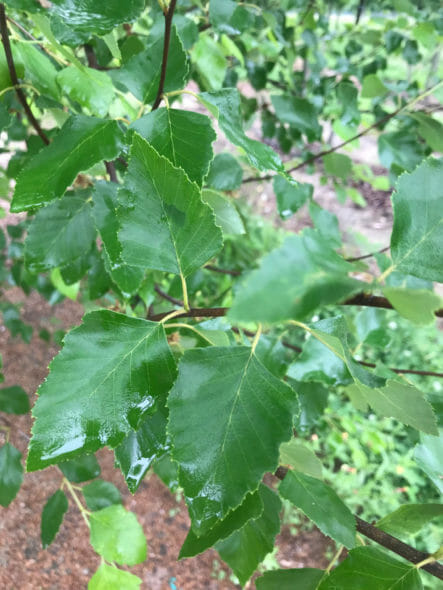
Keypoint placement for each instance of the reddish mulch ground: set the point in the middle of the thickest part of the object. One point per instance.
(70, 561)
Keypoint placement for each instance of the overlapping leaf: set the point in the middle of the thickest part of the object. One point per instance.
(108, 577)
(52, 517)
(91, 88)
(11, 473)
(111, 370)
(288, 579)
(410, 518)
(164, 223)
(299, 113)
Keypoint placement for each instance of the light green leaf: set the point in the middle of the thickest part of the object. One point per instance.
(71, 291)
(59, 233)
(409, 519)
(39, 69)
(246, 548)
(251, 508)
(108, 577)
(372, 87)
(91, 88)
(338, 165)
(100, 494)
(321, 505)
(111, 370)
(291, 195)
(225, 105)
(164, 223)
(82, 142)
(368, 567)
(225, 173)
(298, 456)
(14, 400)
(52, 517)
(417, 234)
(299, 113)
(288, 579)
(183, 137)
(429, 457)
(228, 416)
(117, 536)
(400, 150)
(430, 129)
(226, 215)
(11, 473)
(210, 62)
(416, 305)
(274, 292)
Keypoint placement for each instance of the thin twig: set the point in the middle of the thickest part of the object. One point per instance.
(223, 271)
(162, 293)
(168, 25)
(13, 75)
(110, 169)
(370, 255)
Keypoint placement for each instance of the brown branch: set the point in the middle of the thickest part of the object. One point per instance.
(110, 169)
(370, 255)
(13, 75)
(166, 41)
(386, 540)
(223, 271)
(168, 297)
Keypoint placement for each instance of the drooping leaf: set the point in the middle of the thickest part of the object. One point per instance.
(164, 223)
(288, 579)
(90, 88)
(299, 113)
(416, 240)
(108, 577)
(225, 105)
(429, 456)
(320, 504)
(11, 473)
(105, 199)
(228, 416)
(409, 519)
(52, 517)
(226, 215)
(368, 567)
(210, 62)
(246, 548)
(111, 370)
(184, 137)
(117, 535)
(14, 400)
(251, 508)
(60, 232)
(298, 456)
(225, 173)
(416, 305)
(81, 469)
(278, 293)
(318, 363)
(291, 195)
(82, 142)
(100, 494)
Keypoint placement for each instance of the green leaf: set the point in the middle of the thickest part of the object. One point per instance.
(111, 370)
(98, 18)
(313, 399)
(221, 14)
(368, 567)
(108, 577)
(246, 548)
(417, 237)
(303, 579)
(347, 96)
(70, 291)
(429, 457)
(298, 113)
(90, 88)
(228, 416)
(52, 517)
(11, 473)
(274, 293)
(105, 199)
(416, 305)
(251, 508)
(318, 363)
(60, 232)
(117, 536)
(400, 150)
(338, 165)
(80, 469)
(321, 505)
(184, 137)
(298, 456)
(225, 173)
(82, 142)
(14, 400)
(291, 195)
(164, 223)
(226, 215)
(225, 106)
(210, 62)
(141, 74)
(372, 87)
(100, 494)
(430, 129)
(39, 69)
(409, 519)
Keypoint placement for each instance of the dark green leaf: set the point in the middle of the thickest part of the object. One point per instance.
(320, 504)
(11, 473)
(299, 113)
(183, 137)
(108, 577)
(347, 95)
(111, 370)
(52, 517)
(400, 149)
(90, 88)
(117, 536)
(319, 363)
(14, 400)
(290, 579)
(290, 195)
(80, 469)
(225, 173)
(409, 519)
(313, 399)
(161, 209)
(100, 494)
(228, 416)
(82, 142)
(39, 69)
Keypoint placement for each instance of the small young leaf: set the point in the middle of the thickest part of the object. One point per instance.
(100, 494)
(289, 579)
(290, 195)
(299, 113)
(52, 517)
(14, 400)
(117, 536)
(80, 469)
(11, 473)
(108, 577)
